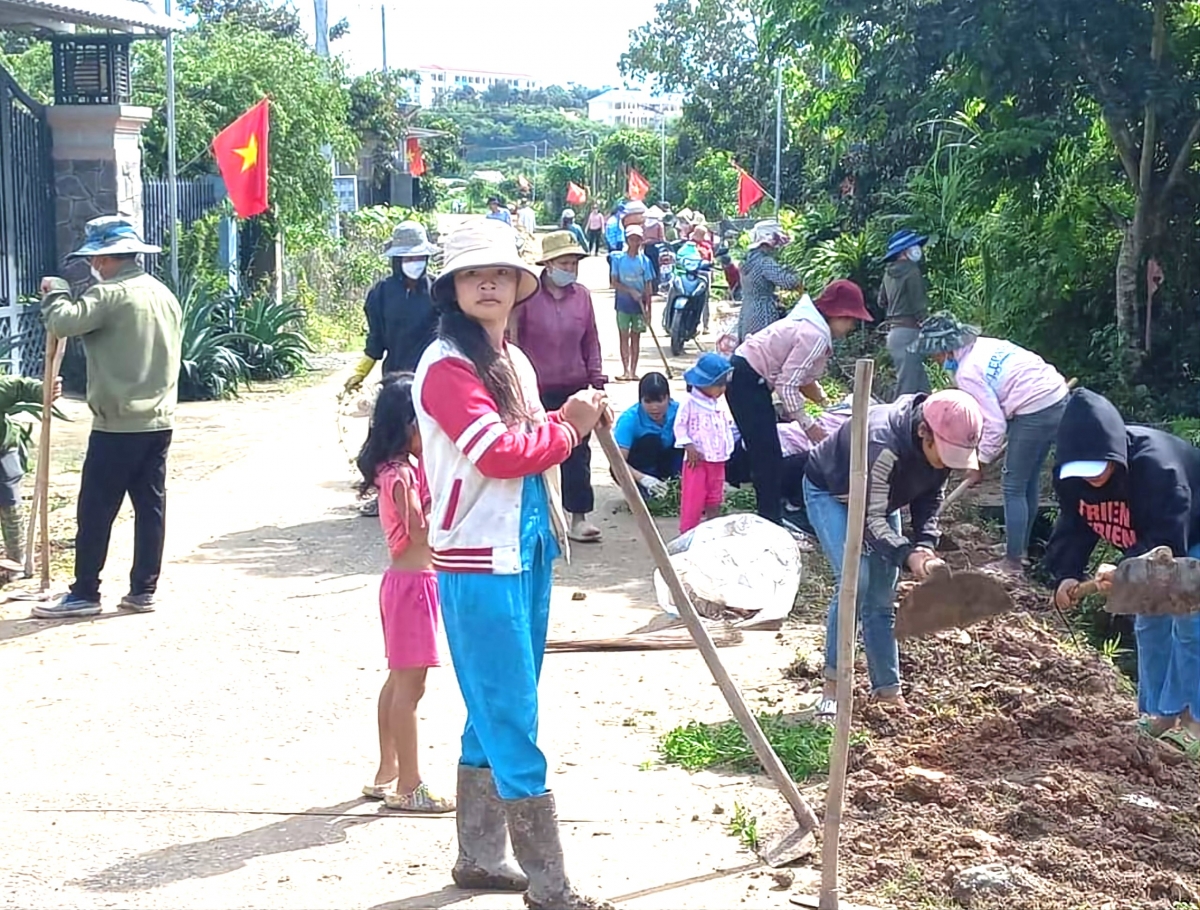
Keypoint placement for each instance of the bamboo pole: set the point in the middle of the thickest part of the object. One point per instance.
(55, 349)
(847, 625)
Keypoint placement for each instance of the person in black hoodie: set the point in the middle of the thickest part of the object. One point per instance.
(1136, 488)
(912, 445)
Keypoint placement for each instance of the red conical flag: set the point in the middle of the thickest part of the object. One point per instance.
(575, 194)
(416, 161)
(750, 193)
(241, 150)
(638, 187)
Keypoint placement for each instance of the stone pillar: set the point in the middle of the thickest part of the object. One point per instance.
(97, 171)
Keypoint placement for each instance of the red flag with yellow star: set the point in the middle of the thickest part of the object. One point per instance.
(241, 152)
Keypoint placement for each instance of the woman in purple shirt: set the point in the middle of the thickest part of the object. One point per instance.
(556, 328)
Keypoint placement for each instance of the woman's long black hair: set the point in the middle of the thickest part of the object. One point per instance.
(495, 372)
(393, 422)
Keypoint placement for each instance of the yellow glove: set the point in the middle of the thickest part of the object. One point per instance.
(360, 373)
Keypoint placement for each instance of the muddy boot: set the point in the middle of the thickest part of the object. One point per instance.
(11, 527)
(533, 825)
(483, 862)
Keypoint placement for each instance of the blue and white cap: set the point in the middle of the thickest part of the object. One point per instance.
(112, 235)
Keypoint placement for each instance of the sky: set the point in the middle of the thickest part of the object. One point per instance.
(503, 35)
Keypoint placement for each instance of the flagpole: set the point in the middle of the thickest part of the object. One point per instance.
(172, 151)
(778, 130)
(383, 34)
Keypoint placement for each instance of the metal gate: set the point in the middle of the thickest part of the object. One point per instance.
(26, 227)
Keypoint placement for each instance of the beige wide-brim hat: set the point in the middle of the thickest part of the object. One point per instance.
(112, 235)
(560, 243)
(483, 244)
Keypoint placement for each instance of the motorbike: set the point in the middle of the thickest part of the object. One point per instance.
(686, 298)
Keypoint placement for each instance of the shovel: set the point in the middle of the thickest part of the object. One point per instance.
(950, 600)
(1157, 583)
(789, 840)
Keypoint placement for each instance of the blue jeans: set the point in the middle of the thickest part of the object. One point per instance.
(1168, 649)
(876, 589)
(496, 628)
(1030, 437)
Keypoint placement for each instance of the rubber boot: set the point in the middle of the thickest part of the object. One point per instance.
(11, 527)
(484, 863)
(533, 826)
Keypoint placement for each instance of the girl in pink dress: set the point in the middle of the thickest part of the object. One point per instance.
(408, 595)
(704, 430)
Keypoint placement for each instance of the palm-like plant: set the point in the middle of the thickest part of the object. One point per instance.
(210, 366)
(270, 340)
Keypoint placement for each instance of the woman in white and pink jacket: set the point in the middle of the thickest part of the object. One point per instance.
(496, 525)
(1022, 399)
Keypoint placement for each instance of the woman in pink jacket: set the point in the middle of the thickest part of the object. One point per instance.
(787, 357)
(1022, 399)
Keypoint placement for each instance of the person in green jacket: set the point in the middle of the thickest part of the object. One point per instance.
(15, 390)
(131, 326)
(905, 300)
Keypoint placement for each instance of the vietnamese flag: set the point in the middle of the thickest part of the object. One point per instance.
(575, 194)
(241, 150)
(638, 186)
(416, 161)
(750, 193)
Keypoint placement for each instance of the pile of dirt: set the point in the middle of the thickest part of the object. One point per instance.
(1020, 756)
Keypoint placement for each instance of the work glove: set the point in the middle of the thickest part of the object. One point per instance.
(652, 485)
(354, 383)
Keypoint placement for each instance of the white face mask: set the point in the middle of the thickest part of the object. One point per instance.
(96, 274)
(915, 254)
(413, 268)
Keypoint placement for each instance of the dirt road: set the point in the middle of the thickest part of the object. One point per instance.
(210, 755)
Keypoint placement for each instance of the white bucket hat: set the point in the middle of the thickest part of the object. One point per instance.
(482, 244)
(409, 239)
(112, 235)
(765, 232)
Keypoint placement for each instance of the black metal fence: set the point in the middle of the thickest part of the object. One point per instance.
(196, 197)
(27, 238)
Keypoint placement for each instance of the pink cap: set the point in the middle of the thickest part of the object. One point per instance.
(957, 424)
(843, 298)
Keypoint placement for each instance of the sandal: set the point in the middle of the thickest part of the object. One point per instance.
(826, 711)
(1145, 727)
(377, 791)
(584, 532)
(420, 800)
(1183, 740)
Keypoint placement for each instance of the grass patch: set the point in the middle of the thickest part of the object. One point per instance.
(744, 827)
(667, 505)
(803, 748)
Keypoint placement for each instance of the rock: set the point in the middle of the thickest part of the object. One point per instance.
(718, 810)
(979, 884)
(1174, 889)
(980, 840)
(783, 879)
(579, 595)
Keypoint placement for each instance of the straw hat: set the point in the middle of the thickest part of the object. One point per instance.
(487, 243)
(560, 243)
(112, 235)
(409, 239)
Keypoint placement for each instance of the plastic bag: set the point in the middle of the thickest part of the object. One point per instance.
(736, 567)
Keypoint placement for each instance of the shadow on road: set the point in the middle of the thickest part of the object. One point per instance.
(343, 545)
(318, 827)
(28, 625)
(434, 900)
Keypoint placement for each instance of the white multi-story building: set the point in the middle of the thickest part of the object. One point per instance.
(444, 80)
(631, 107)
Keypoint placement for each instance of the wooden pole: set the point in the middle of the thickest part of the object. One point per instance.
(53, 361)
(805, 818)
(864, 371)
(654, 335)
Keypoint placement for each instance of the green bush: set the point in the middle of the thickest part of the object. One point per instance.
(269, 339)
(211, 366)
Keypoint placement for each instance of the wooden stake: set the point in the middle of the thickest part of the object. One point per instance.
(55, 349)
(654, 335)
(839, 752)
(805, 818)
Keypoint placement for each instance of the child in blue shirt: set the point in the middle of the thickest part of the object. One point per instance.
(631, 277)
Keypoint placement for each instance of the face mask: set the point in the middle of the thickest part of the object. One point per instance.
(413, 268)
(560, 277)
(915, 254)
(950, 365)
(96, 274)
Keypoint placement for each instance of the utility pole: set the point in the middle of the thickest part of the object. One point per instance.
(383, 34)
(778, 131)
(172, 152)
(321, 11)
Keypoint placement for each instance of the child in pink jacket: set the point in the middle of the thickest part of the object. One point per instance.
(704, 430)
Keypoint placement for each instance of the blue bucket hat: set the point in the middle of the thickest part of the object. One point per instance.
(112, 235)
(901, 241)
(710, 369)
